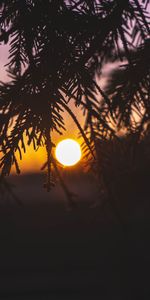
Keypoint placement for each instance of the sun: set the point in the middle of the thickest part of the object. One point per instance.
(68, 152)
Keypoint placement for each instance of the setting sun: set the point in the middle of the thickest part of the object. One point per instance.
(68, 152)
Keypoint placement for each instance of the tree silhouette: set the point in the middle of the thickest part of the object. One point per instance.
(57, 51)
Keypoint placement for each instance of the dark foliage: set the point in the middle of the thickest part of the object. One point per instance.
(57, 51)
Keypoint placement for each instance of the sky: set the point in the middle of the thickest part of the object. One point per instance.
(32, 161)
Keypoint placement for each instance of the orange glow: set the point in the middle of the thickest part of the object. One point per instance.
(32, 160)
(68, 152)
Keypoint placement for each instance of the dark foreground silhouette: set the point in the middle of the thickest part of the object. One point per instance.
(48, 252)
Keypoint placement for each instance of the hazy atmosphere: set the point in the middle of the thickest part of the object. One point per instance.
(74, 149)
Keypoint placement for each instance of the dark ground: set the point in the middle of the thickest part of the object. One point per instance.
(48, 252)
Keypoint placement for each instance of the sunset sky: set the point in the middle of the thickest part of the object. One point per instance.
(33, 161)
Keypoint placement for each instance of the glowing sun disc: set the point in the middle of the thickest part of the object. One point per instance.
(68, 152)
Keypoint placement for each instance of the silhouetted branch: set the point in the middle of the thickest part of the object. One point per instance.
(57, 51)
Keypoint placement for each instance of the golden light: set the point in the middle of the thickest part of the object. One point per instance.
(68, 152)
